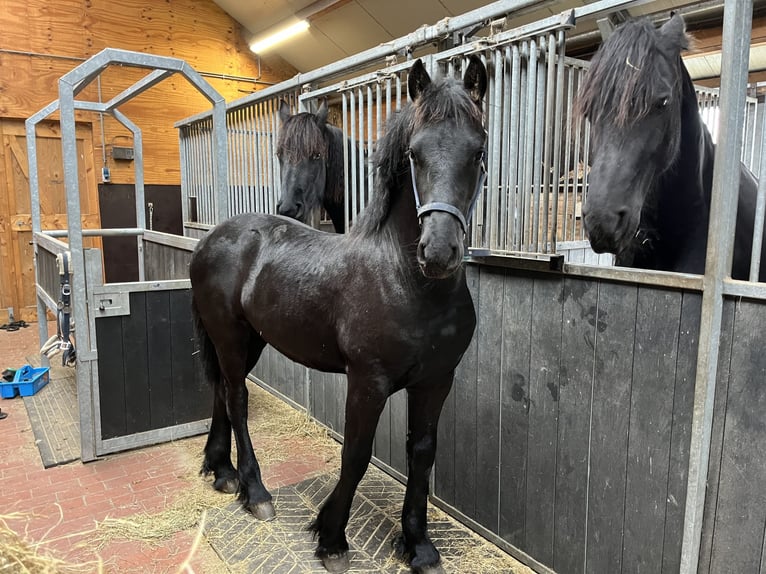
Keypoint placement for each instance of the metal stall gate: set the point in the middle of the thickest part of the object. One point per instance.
(137, 380)
(603, 419)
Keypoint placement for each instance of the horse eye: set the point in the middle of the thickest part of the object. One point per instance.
(663, 102)
(479, 157)
(316, 156)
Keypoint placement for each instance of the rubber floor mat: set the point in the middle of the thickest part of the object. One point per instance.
(283, 546)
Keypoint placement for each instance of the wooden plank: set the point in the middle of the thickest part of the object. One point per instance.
(192, 397)
(134, 345)
(444, 466)
(543, 416)
(610, 415)
(111, 377)
(465, 423)
(716, 436)
(382, 446)
(741, 509)
(488, 335)
(398, 430)
(514, 426)
(656, 346)
(580, 325)
(683, 407)
(159, 363)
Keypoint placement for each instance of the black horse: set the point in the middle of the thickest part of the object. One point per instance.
(386, 303)
(652, 156)
(310, 153)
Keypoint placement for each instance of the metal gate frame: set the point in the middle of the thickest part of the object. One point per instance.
(86, 264)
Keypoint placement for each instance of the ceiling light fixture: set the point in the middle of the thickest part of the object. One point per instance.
(280, 34)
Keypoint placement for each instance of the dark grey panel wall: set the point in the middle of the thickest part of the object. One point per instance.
(572, 438)
(147, 374)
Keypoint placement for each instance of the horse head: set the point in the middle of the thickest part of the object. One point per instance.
(302, 150)
(446, 156)
(632, 96)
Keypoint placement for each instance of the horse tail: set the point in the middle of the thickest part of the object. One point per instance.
(207, 354)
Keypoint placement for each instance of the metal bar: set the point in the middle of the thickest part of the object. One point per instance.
(177, 241)
(122, 232)
(142, 85)
(737, 23)
(506, 192)
(567, 154)
(576, 161)
(514, 147)
(147, 438)
(538, 156)
(494, 97)
(219, 166)
(529, 142)
(556, 175)
(183, 146)
(370, 146)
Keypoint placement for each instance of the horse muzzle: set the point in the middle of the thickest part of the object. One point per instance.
(440, 249)
(609, 231)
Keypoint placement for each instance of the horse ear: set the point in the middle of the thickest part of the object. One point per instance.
(475, 79)
(674, 30)
(284, 110)
(418, 80)
(322, 113)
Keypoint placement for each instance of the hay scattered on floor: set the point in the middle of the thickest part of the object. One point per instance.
(20, 555)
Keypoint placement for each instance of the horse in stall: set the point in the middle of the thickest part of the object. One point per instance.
(311, 162)
(386, 303)
(652, 156)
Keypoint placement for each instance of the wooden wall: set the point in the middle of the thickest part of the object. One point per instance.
(42, 40)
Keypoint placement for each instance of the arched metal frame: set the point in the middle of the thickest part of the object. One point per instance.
(70, 85)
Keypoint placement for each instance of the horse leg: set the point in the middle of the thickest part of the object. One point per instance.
(218, 446)
(241, 352)
(364, 404)
(424, 404)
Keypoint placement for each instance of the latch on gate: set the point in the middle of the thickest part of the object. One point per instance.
(110, 304)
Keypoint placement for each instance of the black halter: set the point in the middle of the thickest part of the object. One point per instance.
(447, 207)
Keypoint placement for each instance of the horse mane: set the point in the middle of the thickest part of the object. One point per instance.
(441, 100)
(622, 81)
(334, 188)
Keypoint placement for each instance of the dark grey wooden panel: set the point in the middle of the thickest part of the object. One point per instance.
(136, 366)
(465, 421)
(382, 446)
(716, 436)
(444, 466)
(489, 333)
(317, 396)
(543, 416)
(159, 344)
(192, 395)
(610, 415)
(654, 364)
(516, 350)
(398, 403)
(579, 326)
(683, 406)
(111, 376)
(741, 506)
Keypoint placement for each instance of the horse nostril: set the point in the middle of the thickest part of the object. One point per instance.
(279, 206)
(622, 216)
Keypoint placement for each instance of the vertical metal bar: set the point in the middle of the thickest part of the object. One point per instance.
(737, 22)
(360, 150)
(354, 178)
(567, 154)
(556, 175)
(577, 161)
(183, 148)
(138, 168)
(505, 148)
(529, 142)
(79, 297)
(514, 147)
(493, 214)
(346, 158)
(220, 146)
(258, 156)
(539, 142)
(585, 172)
(273, 185)
(370, 144)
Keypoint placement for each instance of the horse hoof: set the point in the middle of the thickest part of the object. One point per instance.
(336, 563)
(263, 510)
(226, 485)
(435, 569)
